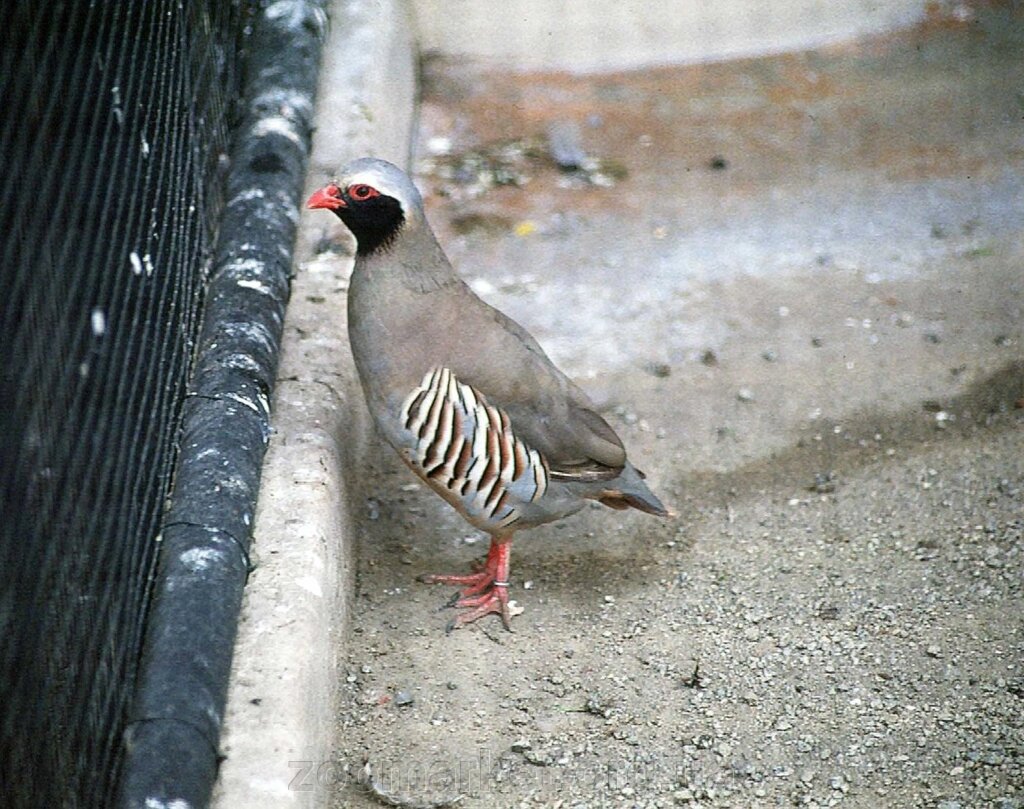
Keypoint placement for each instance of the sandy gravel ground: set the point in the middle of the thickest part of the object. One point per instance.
(794, 285)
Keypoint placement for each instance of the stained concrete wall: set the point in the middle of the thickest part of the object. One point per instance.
(586, 35)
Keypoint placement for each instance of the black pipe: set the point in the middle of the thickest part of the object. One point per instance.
(171, 742)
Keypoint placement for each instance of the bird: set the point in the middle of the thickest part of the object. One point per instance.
(465, 395)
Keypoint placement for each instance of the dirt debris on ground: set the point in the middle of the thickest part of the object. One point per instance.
(800, 304)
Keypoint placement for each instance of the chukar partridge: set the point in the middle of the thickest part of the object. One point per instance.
(465, 395)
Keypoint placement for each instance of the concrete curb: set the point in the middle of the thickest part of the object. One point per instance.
(278, 727)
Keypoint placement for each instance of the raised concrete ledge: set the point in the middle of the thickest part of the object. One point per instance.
(278, 727)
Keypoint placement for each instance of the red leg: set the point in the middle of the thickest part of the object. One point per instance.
(484, 592)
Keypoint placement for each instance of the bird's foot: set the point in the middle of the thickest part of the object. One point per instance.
(482, 593)
(495, 600)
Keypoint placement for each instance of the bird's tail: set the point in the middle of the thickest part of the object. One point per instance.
(628, 490)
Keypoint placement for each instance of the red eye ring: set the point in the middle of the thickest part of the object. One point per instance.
(361, 192)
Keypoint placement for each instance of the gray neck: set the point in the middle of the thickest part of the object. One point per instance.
(413, 261)
(391, 308)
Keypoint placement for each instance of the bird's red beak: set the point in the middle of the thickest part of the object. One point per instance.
(327, 197)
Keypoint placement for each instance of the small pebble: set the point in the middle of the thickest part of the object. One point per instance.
(565, 145)
(594, 706)
(404, 698)
(745, 395)
(824, 483)
(439, 145)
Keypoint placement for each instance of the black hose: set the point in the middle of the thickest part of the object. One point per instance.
(171, 743)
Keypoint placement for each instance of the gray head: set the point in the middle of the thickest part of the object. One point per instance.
(375, 199)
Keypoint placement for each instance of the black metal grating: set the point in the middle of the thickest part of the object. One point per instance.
(112, 139)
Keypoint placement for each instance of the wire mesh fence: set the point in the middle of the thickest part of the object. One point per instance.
(113, 134)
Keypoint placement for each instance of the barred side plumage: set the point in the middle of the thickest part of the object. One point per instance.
(467, 448)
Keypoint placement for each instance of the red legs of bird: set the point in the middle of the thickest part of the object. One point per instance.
(483, 592)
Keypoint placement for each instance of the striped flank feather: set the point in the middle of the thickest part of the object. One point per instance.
(466, 449)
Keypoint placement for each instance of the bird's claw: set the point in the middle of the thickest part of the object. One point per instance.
(481, 593)
(495, 601)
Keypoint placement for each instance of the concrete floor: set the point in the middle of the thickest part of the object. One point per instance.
(796, 291)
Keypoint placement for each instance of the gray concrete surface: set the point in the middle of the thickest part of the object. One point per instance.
(628, 34)
(794, 285)
(285, 675)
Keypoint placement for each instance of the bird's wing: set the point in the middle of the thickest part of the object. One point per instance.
(547, 410)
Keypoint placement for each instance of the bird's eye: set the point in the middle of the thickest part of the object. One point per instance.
(361, 192)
